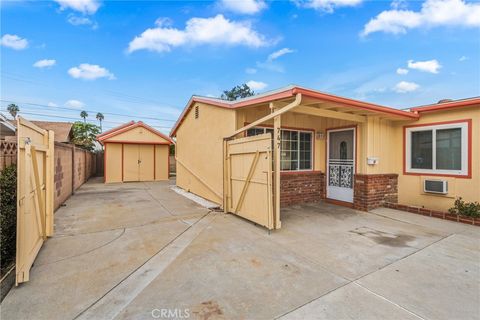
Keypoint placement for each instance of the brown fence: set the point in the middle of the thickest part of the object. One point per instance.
(8, 153)
(73, 167)
(172, 165)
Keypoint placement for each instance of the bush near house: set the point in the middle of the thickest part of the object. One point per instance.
(8, 216)
(469, 209)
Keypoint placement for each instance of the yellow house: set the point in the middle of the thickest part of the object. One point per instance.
(325, 147)
(135, 152)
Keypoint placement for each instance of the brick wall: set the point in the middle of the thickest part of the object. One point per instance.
(374, 190)
(63, 173)
(301, 187)
(70, 176)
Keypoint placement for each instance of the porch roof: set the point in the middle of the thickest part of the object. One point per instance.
(311, 100)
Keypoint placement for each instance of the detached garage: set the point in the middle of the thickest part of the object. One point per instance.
(135, 152)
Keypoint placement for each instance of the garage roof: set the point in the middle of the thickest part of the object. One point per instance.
(130, 126)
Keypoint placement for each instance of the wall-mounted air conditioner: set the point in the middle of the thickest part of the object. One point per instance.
(435, 186)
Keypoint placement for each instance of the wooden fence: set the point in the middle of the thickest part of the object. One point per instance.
(34, 194)
(8, 153)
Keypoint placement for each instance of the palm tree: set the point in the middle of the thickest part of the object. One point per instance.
(13, 109)
(84, 115)
(100, 118)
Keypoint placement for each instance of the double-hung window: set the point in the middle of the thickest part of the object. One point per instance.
(437, 149)
(296, 150)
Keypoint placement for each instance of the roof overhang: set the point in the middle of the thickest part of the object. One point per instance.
(291, 92)
(447, 105)
(129, 126)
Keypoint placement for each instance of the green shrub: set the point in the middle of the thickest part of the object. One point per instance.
(469, 209)
(8, 216)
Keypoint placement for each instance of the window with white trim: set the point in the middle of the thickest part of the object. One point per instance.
(296, 152)
(437, 149)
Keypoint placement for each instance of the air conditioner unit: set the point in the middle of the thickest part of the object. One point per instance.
(435, 186)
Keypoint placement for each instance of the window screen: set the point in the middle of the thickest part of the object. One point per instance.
(449, 149)
(296, 148)
(422, 149)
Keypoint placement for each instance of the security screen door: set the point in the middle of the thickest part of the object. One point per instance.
(340, 164)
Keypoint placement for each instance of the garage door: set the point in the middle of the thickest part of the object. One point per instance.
(138, 162)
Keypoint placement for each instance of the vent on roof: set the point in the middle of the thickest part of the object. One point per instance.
(444, 100)
(196, 112)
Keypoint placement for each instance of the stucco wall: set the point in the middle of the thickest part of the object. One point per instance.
(410, 187)
(199, 150)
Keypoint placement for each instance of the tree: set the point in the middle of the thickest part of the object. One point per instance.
(13, 109)
(84, 115)
(237, 92)
(85, 134)
(100, 118)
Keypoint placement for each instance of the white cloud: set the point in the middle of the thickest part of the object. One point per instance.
(82, 21)
(83, 6)
(45, 63)
(399, 4)
(13, 41)
(243, 6)
(433, 13)
(404, 86)
(164, 22)
(402, 71)
(76, 104)
(431, 66)
(279, 53)
(463, 58)
(198, 31)
(251, 70)
(327, 5)
(52, 104)
(256, 85)
(90, 72)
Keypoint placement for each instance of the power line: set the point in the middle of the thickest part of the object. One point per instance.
(92, 111)
(76, 119)
(126, 97)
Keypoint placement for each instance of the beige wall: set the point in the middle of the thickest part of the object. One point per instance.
(199, 150)
(113, 162)
(161, 162)
(138, 134)
(410, 187)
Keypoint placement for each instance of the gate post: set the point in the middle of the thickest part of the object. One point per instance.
(50, 185)
(277, 141)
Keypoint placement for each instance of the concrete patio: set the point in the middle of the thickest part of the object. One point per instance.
(124, 250)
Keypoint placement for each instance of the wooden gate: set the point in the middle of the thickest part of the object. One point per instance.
(248, 187)
(35, 170)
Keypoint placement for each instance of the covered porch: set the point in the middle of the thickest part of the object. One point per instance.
(327, 148)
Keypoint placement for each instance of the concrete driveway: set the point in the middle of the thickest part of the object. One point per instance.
(141, 251)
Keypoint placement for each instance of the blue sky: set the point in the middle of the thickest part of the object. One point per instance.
(145, 59)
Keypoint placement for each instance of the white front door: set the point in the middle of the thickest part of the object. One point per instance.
(340, 164)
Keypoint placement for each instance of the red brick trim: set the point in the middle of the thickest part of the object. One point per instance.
(371, 191)
(301, 187)
(434, 213)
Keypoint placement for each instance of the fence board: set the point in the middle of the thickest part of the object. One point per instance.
(34, 194)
